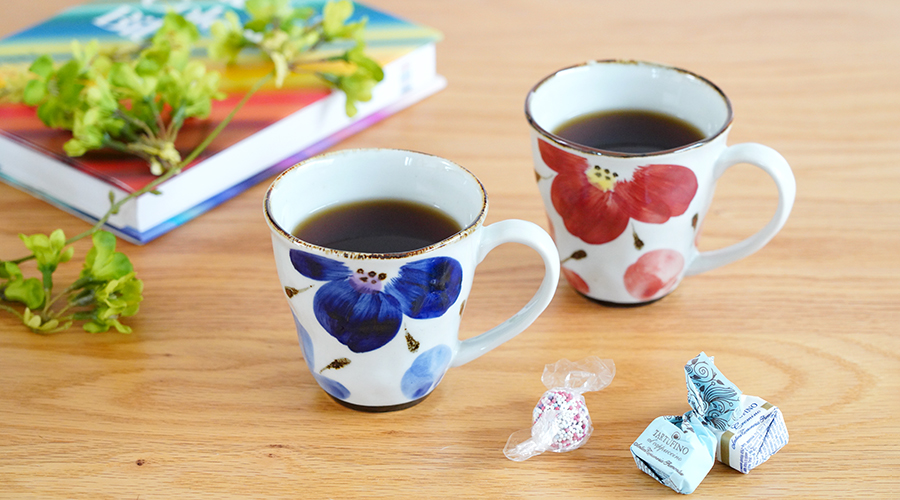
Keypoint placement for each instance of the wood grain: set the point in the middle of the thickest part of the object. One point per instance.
(209, 398)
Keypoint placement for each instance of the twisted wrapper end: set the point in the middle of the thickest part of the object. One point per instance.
(714, 400)
(589, 374)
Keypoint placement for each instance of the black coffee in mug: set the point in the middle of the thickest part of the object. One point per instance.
(629, 131)
(377, 226)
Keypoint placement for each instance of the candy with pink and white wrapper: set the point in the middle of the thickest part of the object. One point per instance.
(560, 420)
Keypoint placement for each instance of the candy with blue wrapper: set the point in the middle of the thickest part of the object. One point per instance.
(741, 431)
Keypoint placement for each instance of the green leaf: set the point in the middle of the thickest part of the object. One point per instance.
(358, 88)
(27, 291)
(75, 148)
(95, 327)
(364, 64)
(67, 254)
(122, 296)
(113, 300)
(85, 136)
(42, 66)
(54, 114)
(85, 54)
(281, 68)
(227, 38)
(57, 238)
(334, 15)
(47, 250)
(34, 93)
(175, 38)
(39, 325)
(100, 96)
(124, 75)
(69, 81)
(31, 320)
(102, 262)
(268, 9)
(302, 14)
(10, 270)
(257, 25)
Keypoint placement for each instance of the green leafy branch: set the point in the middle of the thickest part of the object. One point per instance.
(287, 35)
(105, 291)
(137, 103)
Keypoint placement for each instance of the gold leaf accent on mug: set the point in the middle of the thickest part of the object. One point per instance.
(336, 364)
(291, 291)
(576, 255)
(538, 177)
(411, 343)
(638, 243)
(694, 220)
(462, 307)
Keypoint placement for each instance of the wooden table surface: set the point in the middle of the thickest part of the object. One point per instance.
(210, 398)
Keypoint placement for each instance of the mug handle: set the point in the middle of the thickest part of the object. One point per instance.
(777, 167)
(529, 234)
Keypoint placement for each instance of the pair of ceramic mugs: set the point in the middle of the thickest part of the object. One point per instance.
(628, 239)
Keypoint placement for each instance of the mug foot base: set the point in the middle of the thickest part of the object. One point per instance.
(621, 305)
(380, 409)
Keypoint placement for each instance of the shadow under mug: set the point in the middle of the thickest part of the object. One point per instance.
(625, 224)
(378, 331)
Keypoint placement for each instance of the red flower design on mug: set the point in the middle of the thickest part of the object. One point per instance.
(596, 204)
(654, 274)
(576, 281)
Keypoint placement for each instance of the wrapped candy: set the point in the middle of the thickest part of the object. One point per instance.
(560, 420)
(741, 431)
(757, 434)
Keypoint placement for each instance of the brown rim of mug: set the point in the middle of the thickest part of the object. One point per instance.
(603, 152)
(462, 233)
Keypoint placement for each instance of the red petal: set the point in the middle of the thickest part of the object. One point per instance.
(657, 192)
(575, 280)
(654, 274)
(559, 160)
(593, 215)
(588, 213)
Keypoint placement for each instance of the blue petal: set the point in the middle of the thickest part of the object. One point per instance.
(336, 389)
(425, 372)
(305, 344)
(318, 268)
(361, 321)
(332, 387)
(427, 288)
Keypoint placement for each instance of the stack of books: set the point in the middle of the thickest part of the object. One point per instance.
(274, 130)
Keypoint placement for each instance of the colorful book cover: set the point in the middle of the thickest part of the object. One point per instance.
(117, 24)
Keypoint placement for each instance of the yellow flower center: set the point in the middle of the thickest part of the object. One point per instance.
(602, 178)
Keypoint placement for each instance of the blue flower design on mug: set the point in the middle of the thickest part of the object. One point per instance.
(330, 386)
(363, 309)
(426, 371)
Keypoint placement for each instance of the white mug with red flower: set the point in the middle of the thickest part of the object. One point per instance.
(626, 224)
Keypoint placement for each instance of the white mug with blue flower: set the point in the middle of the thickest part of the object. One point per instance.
(379, 330)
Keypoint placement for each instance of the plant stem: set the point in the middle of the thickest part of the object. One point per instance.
(23, 259)
(11, 311)
(199, 149)
(54, 299)
(114, 208)
(134, 121)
